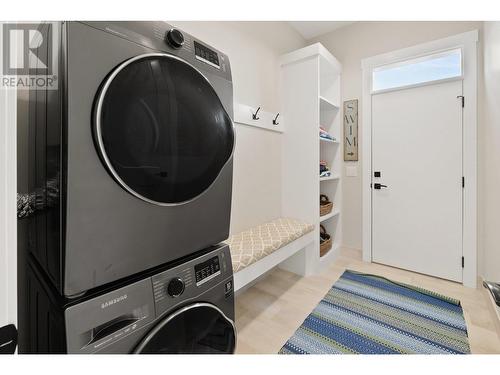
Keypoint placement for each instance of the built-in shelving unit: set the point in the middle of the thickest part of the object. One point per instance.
(329, 119)
(311, 99)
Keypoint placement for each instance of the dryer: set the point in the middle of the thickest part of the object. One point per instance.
(132, 156)
(185, 309)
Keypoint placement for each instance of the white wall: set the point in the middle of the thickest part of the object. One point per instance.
(350, 45)
(8, 259)
(489, 155)
(253, 49)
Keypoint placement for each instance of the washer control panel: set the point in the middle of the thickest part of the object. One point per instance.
(188, 280)
(175, 287)
(97, 324)
(207, 270)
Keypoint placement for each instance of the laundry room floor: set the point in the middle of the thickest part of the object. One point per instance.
(268, 313)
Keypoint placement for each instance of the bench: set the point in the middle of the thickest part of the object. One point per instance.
(257, 250)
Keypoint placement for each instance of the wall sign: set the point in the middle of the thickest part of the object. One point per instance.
(351, 130)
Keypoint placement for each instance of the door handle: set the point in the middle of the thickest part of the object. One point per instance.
(378, 186)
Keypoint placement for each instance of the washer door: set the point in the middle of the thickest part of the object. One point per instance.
(161, 130)
(201, 328)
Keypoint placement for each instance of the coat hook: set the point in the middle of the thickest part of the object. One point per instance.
(275, 121)
(254, 115)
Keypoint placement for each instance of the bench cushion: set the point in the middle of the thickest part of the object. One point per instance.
(251, 245)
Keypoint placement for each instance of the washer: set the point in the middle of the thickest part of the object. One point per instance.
(132, 162)
(185, 309)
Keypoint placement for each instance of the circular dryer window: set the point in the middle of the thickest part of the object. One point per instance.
(200, 328)
(161, 129)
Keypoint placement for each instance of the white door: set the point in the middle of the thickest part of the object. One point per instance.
(417, 148)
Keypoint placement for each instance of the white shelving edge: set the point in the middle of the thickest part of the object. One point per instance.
(329, 216)
(330, 178)
(326, 105)
(309, 52)
(328, 141)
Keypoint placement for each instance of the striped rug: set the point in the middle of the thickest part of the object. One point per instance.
(369, 314)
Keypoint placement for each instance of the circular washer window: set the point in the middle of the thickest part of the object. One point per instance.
(161, 129)
(200, 328)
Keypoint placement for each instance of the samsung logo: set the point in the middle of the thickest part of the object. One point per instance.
(113, 301)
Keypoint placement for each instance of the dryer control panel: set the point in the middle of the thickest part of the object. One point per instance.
(164, 37)
(206, 55)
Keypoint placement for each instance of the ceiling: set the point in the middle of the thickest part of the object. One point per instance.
(312, 29)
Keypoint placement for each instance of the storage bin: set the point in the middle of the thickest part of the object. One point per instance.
(326, 245)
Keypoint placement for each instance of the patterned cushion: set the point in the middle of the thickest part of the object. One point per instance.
(251, 245)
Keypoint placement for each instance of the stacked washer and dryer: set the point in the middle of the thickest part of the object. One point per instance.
(130, 176)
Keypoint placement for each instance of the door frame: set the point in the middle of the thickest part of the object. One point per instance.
(468, 43)
(8, 202)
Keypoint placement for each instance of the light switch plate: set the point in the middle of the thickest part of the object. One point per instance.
(351, 171)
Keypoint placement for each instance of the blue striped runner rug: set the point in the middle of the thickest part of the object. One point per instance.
(369, 314)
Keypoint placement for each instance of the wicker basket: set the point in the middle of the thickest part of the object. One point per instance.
(325, 206)
(326, 245)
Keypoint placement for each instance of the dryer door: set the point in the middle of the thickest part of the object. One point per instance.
(161, 130)
(200, 328)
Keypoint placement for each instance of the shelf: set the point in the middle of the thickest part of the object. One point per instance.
(330, 178)
(328, 140)
(327, 105)
(329, 216)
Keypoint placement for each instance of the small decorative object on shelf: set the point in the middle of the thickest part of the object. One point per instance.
(324, 171)
(325, 206)
(323, 134)
(325, 241)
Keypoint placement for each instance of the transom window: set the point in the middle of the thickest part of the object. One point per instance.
(426, 69)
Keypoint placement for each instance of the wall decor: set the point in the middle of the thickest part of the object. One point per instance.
(351, 130)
